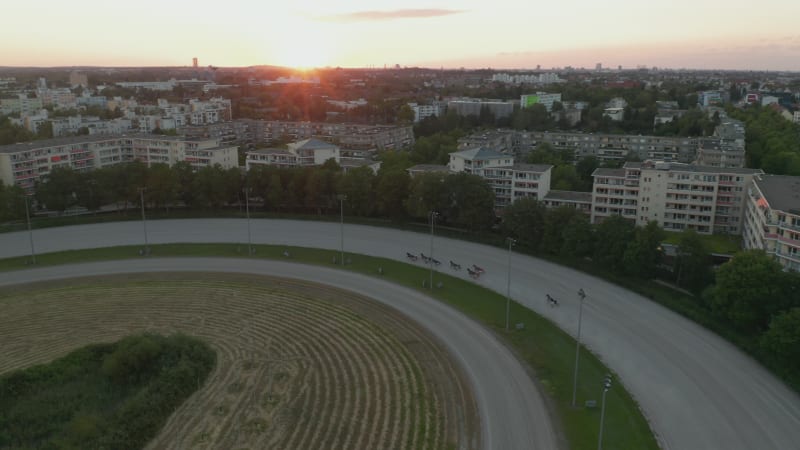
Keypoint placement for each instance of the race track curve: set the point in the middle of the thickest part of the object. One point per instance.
(697, 390)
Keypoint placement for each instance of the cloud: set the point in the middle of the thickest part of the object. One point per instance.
(366, 16)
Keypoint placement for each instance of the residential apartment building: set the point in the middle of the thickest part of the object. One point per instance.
(541, 98)
(310, 152)
(615, 192)
(22, 104)
(582, 201)
(772, 218)
(726, 148)
(473, 107)
(677, 196)
(619, 147)
(508, 180)
(422, 112)
(25, 164)
(345, 135)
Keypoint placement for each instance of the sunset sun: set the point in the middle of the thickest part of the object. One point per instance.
(305, 51)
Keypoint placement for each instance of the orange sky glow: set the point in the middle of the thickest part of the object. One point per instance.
(446, 33)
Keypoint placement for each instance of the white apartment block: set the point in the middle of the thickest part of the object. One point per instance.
(25, 164)
(582, 201)
(308, 152)
(509, 181)
(677, 196)
(22, 104)
(345, 135)
(772, 218)
(542, 98)
(473, 107)
(422, 112)
(615, 192)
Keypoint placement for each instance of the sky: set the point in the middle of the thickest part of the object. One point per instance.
(500, 34)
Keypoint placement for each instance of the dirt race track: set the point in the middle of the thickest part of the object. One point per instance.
(300, 365)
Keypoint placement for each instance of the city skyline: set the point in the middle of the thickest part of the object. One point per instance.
(505, 34)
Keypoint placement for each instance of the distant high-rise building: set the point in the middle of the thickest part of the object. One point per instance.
(598, 67)
(538, 67)
(619, 67)
(194, 62)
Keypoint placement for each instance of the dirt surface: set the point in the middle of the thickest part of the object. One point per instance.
(300, 365)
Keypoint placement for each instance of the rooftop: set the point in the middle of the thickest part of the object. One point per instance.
(480, 153)
(312, 144)
(69, 140)
(532, 167)
(428, 168)
(781, 191)
(680, 167)
(569, 196)
(270, 151)
(604, 172)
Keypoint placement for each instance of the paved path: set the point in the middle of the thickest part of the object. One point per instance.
(697, 390)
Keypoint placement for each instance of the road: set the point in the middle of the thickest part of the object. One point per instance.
(697, 390)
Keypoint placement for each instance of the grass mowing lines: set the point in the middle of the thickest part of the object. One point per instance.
(274, 337)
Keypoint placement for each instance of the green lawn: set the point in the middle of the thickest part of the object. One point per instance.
(716, 243)
(549, 351)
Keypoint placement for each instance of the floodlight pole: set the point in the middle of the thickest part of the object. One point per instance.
(433, 215)
(144, 221)
(247, 209)
(582, 295)
(511, 242)
(606, 387)
(30, 230)
(341, 198)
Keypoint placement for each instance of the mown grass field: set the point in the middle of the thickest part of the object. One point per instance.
(299, 365)
(548, 350)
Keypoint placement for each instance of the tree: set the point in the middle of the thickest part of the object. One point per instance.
(57, 191)
(162, 186)
(578, 237)
(274, 194)
(523, 220)
(693, 262)
(585, 167)
(612, 236)
(185, 176)
(749, 290)
(553, 230)
(392, 192)
(12, 203)
(209, 184)
(643, 254)
(565, 178)
(405, 115)
(427, 194)
(781, 342)
(470, 201)
(359, 187)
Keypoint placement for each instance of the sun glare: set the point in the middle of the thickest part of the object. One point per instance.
(306, 50)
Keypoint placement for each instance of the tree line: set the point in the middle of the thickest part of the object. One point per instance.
(462, 199)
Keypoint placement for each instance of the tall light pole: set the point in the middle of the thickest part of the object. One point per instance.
(434, 215)
(341, 198)
(582, 295)
(247, 208)
(30, 231)
(606, 387)
(144, 221)
(511, 242)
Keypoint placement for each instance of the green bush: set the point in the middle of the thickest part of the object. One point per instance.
(102, 396)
